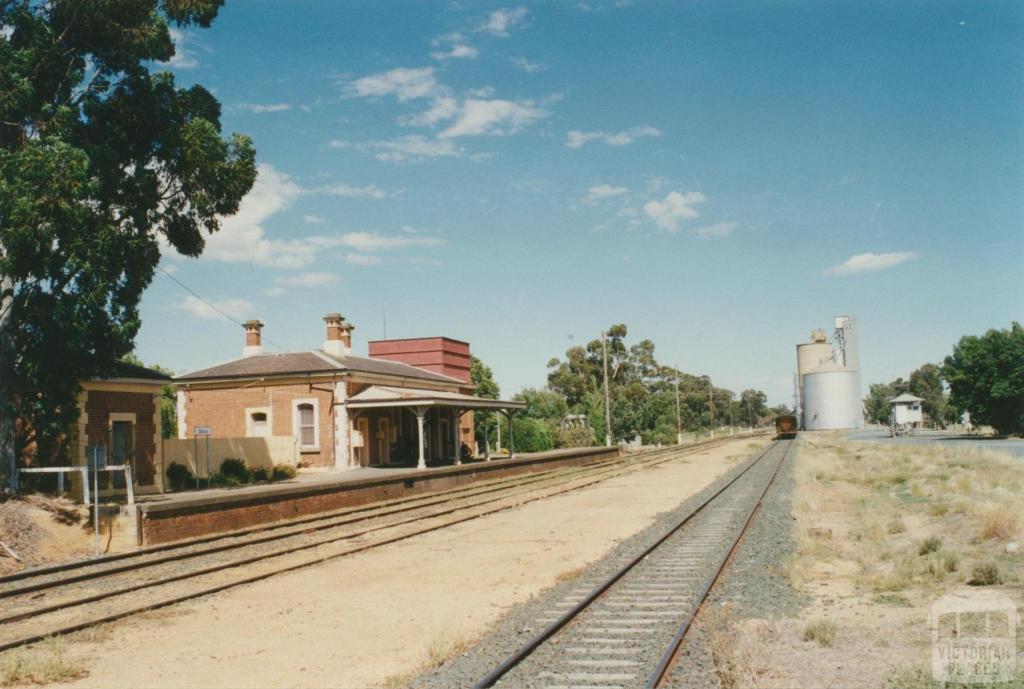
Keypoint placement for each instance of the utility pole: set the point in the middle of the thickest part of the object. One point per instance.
(8, 458)
(711, 406)
(607, 399)
(679, 416)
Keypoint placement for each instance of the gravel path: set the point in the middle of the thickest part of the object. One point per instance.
(523, 622)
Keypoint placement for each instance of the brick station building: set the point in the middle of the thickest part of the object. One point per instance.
(409, 402)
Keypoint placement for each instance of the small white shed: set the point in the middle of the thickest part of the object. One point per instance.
(905, 412)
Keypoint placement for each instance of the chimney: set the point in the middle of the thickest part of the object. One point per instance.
(339, 335)
(253, 341)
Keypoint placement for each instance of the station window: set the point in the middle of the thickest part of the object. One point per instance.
(306, 424)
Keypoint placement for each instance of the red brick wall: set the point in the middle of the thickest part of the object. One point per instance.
(437, 354)
(223, 411)
(99, 405)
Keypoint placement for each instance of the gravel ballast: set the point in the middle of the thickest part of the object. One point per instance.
(523, 622)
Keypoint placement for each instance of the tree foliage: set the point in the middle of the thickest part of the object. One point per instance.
(482, 378)
(986, 377)
(102, 162)
(642, 391)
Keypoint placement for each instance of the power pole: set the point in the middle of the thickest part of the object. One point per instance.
(679, 416)
(607, 399)
(8, 458)
(711, 406)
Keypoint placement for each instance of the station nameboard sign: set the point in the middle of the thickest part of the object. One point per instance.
(204, 430)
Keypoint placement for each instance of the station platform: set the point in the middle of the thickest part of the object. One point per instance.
(168, 517)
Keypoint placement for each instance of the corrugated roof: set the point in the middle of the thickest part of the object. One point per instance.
(383, 395)
(906, 397)
(298, 363)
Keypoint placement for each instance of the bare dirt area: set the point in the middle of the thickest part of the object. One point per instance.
(42, 530)
(380, 617)
(882, 533)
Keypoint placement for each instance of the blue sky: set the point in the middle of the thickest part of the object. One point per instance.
(721, 177)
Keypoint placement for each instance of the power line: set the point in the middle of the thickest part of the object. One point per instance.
(215, 308)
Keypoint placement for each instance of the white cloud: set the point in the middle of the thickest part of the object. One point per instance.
(405, 149)
(235, 308)
(459, 51)
(259, 108)
(371, 241)
(527, 66)
(603, 191)
(441, 109)
(313, 219)
(494, 117)
(500, 21)
(676, 207)
(403, 83)
(576, 139)
(368, 192)
(275, 291)
(307, 280)
(361, 259)
(719, 229)
(241, 237)
(183, 58)
(866, 263)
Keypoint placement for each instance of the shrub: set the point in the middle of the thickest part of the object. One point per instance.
(997, 522)
(224, 481)
(260, 474)
(179, 476)
(985, 574)
(282, 472)
(821, 631)
(929, 545)
(234, 470)
(950, 560)
(574, 436)
(896, 526)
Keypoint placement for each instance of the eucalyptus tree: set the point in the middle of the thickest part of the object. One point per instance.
(104, 162)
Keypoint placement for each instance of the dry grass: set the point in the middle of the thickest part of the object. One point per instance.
(43, 663)
(882, 531)
(997, 522)
(441, 648)
(822, 632)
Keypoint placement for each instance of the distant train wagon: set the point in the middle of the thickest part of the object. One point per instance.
(785, 426)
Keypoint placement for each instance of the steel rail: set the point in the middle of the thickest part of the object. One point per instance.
(294, 527)
(284, 524)
(665, 662)
(553, 628)
(674, 450)
(288, 528)
(141, 552)
(596, 477)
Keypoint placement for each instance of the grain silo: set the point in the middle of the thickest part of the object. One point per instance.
(828, 379)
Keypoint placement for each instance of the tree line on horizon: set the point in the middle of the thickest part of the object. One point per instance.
(642, 396)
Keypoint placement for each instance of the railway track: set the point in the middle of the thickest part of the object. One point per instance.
(626, 632)
(49, 601)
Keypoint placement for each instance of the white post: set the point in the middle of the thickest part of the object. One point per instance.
(343, 458)
(420, 413)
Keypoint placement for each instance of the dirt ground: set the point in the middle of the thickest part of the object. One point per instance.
(882, 533)
(42, 530)
(377, 618)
